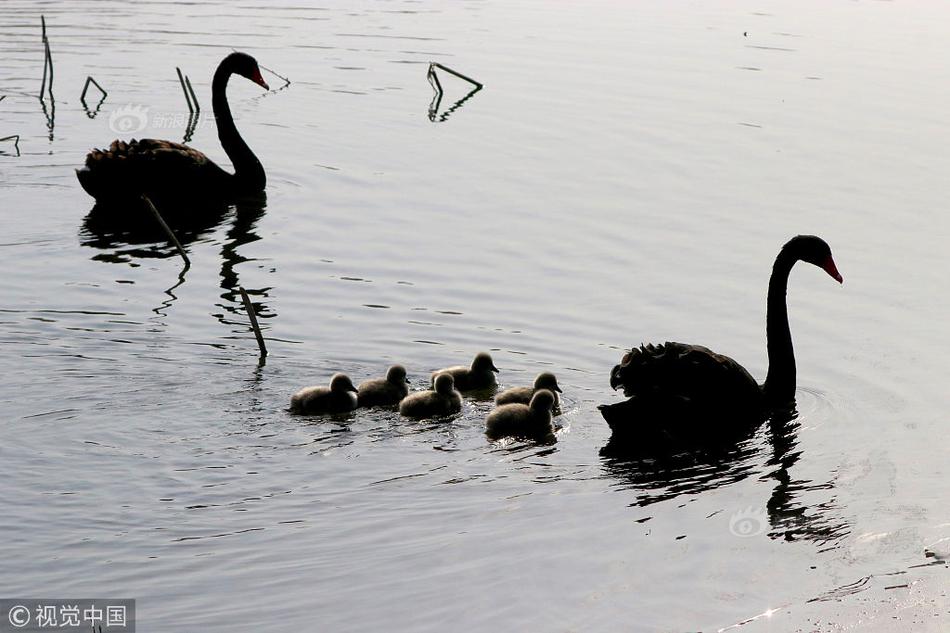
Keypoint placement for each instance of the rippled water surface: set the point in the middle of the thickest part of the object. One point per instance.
(627, 174)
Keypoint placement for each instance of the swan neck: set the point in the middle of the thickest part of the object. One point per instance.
(779, 385)
(248, 172)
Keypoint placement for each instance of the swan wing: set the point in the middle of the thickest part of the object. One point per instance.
(157, 153)
(146, 166)
(681, 372)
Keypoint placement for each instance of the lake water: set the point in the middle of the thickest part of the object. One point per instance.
(627, 175)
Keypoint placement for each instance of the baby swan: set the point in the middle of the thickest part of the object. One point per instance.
(385, 392)
(522, 395)
(339, 397)
(444, 400)
(481, 375)
(530, 421)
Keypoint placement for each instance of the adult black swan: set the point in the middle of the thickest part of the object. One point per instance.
(687, 394)
(164, 169)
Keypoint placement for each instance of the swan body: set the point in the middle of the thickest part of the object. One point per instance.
(441, 401)
(168, 170)
(523, 395)
(384, 392)
(480, 375)
(339, 397)
(530, 421)
(679, 392)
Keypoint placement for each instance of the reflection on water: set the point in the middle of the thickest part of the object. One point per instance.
(791, 517)
(247, 214)
(434, 115)
(121, 231)
(663, 477)
(49, 111)
(662, 474)
(112, 227)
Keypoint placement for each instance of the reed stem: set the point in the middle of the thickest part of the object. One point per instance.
(249, 308)
(456, 73)
(168, 231)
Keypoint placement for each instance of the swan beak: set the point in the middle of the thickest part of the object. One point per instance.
(558, 389)
(494, 369)
(259, 80)
(830, 268)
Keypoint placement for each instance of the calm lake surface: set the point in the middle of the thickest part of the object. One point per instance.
(627, 175)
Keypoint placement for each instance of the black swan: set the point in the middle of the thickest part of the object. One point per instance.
(681, 393)
(162, 169)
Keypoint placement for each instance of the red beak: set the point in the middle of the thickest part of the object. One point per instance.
(256, 78)
(830, 268)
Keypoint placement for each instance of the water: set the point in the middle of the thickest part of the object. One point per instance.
(627, 174)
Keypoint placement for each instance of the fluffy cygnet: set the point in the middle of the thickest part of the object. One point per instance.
(385, 392)
(481, 375)
(444, 400)
(339, 397)
(522, 395)
(530, 421)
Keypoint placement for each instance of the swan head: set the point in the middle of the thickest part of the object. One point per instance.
(547, 380)
(246, 66)
(341, 383)
(815, 251)
(444, 384)
(616, 374)
(483, 363)
(543, 400)
(397, 375)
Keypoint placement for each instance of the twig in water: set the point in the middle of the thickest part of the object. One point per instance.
(82, 97)
(181, 80)
(16, 141)
(281, 77)
(456, 73)
(191, 91)
(249, 308)
(47, 63)
(85, 88)
(437, 97)
(168, 231)
(434, 79)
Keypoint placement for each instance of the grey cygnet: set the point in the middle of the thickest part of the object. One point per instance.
(522, 395)
(481, 374)
(339, 397)
(385, 392)
(529, 421)
(444, 400)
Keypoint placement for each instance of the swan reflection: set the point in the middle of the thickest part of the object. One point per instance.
(659, 472)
